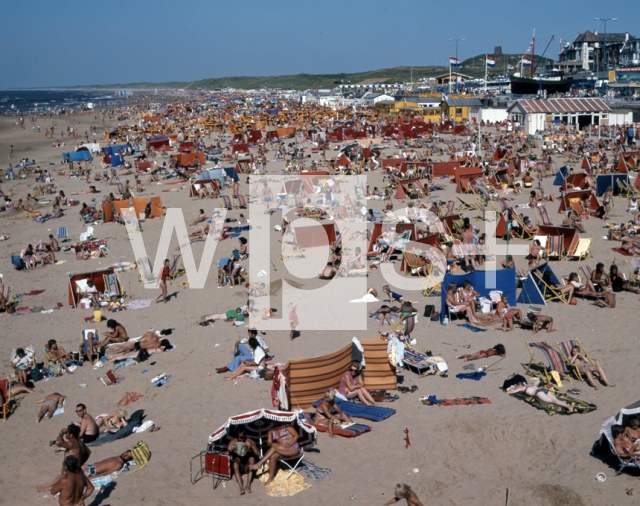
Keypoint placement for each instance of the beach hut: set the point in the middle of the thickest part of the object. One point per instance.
(445, 168)
(156, 209)
(569, 235)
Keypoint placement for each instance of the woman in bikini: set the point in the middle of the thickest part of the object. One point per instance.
(607, 202)
(352, 385)
(383, 315)
(113, 421)
(498, 349)
(459, 307)
(541, 393)
(283, 443)
(579, 360)
(324, 412)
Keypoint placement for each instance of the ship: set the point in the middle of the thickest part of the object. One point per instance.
(555, 82)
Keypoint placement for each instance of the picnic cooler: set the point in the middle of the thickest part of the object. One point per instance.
(85, 303)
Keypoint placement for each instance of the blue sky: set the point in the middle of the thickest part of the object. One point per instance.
(73, 43)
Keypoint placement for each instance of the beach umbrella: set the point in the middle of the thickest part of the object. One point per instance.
(257, 425)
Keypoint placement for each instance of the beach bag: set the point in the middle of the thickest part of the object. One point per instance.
(141, 454)
(429, 309)
(35, 374)
(435, 316)
(513, 380)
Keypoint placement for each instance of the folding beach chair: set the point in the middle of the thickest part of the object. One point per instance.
(548, 292)
(7, 291)
(501, 205)
(448, 211)
(554, 361)
(585, 272)
(464, 206)
(63, 236)
(542, 213)
(583, 250)
(176, 269)
(554, 247)
(84, 339)
(30, 214)
(18, 262)
(632, 265)
(521, 232)
(111, 284)
(52, 364)
(290, 251)
(576, 208)
(10, 403)
(145, 270)
(292, 463)
(110, 378)
(481, 194)
(565, 350)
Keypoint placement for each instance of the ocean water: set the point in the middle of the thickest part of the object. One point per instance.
(44, 100)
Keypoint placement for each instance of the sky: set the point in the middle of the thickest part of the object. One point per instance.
(76, 42)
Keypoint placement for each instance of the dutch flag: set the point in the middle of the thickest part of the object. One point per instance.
(526, 61)
(454, 62)
(491, 61)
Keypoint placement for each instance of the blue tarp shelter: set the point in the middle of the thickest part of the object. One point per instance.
(117, 160)
(561, 175)
(505, 282)
(112, 150)
(76, 156)
(605, 180)
(533, 289)
(218, 174)
(162, 137)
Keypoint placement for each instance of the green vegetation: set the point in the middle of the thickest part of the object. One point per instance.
(473, 67)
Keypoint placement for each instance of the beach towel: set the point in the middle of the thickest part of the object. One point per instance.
(350, 431)
(475, 375)
(374, 413)
(127, 430)
(138, 304)
(366, 298)
(129, 398)
(623, 252)
(281, 486)
(34, 292)
(471, 327)
(464, 401)
(551, 409)
(60, 410)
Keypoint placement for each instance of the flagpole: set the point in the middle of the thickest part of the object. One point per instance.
(449, 75)
(485, 73)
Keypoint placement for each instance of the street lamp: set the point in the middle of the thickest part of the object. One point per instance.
(456, 41)
(606, 56)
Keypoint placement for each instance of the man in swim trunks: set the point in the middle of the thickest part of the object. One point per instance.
(68, 438)
(72, 485)
(89, 430)
(324, 412)
(244, 453)
(49, 405)
(108, 466)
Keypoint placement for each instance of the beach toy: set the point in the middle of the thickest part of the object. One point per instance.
(601, 477)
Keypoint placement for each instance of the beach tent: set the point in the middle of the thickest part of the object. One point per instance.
(139, 205)
(533, 288)
(574, 179)
(397, 227)
(218, 174)
(117, 160)
(76, 156)
(445, 168)
(315, 236)
(93, 147)
(240, 148)
(565, 201)
(569, 235)
(159, 144)
(77, 283)
(603, 182)
(189, 159)
(145, 166)
(505, 281)
(308, 379)
(283, 133)
(561, 175)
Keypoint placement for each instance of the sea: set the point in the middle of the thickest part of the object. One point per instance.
(23, 101)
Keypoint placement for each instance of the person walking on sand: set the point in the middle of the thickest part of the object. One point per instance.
(293, 320)
(163, 282)
(403, 491)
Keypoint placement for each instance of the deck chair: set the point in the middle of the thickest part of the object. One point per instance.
(565, 350)
(7, 291)
(464, 206)
(145, 270)
(10, 403)
(448, 211)
(554, 360)
(83, 340)
(576, 208)
(225, 201)
(111, 285)
(585, 272)
(481, 194)
(521, 231)
(176, 269)
(632, 265)
(583, 250)
(541, 212)
(554, 247)
(30, 214)
(501, 205)
(548, 292)
(63, 235)
(290, 251)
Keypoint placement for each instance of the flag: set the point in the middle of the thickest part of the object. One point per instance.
(454, 62)
(511, 67)
(526, 61)
(491, 61)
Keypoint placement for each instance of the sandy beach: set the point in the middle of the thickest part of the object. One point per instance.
(459, 455)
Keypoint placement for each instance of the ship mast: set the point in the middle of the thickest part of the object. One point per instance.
(533, 52)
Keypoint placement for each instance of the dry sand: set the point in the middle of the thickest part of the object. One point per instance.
(465, 455)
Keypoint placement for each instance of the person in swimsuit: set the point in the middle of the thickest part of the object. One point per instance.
(403, 491)
(113, 421)
(607, 202)
(49, 405)
(383, 315)
(108, 466)
(539, 320)
(283, 443)
(632, 430)
(622, 443)
(498, 349)
(118, 333)
(541, 393)
(352, 385)
(508, 314)
(243, 453)
(459, 307)
(267, 197)
(580, 361)
(324, 412)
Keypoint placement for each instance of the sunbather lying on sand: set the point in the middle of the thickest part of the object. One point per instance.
(498, 349)
(150, 342)
(107, 466)
(113, 421)
(49, 405)
(543, 394)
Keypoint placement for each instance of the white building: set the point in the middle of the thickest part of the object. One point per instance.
(540, 114)
(489, 113)
(620, 117)
(371, 99)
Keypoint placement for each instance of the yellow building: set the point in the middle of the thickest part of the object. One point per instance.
(457, 107)
(415, 106)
